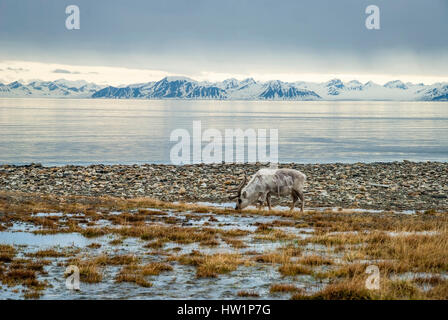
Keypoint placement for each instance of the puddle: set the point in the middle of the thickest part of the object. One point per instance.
(30, 239)
(287, 208)
(51, 214)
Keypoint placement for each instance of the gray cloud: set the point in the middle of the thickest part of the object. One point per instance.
(17, 69)
(232, 35)
(65, 71)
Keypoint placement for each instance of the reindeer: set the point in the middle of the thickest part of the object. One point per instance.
(267, 182)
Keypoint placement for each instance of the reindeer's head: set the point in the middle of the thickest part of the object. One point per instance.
(241, 197)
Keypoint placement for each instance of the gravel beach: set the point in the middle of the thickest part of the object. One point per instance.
(384, 186)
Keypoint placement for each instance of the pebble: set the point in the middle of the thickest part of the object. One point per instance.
(388, 186)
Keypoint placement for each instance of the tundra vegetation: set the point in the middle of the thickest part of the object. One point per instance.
(146, 245)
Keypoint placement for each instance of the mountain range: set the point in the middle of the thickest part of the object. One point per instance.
(231, 89)
(57, 89)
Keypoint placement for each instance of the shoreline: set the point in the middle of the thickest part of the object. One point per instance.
(164, 163)
(398, 186)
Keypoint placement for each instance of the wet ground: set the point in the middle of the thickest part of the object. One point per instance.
(250, 235)
(181, 283)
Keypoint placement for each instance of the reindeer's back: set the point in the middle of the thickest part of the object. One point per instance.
(297, 177)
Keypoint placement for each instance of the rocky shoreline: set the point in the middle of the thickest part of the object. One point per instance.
(384, 186)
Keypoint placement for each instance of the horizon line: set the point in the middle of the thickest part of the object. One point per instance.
(27, 71)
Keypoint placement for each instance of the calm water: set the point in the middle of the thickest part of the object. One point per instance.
(58, 132)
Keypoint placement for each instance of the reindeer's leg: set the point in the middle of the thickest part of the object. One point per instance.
(268, 200)
(295, 197)
(302, 199)
(260, 201)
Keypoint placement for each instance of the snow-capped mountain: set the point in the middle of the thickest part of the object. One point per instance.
(397, 84)
(169, 87)
(394, 90)
(436, 92)
(274, 90)
(232, 89)
(334, 87)
(249, 89)
(52, 89)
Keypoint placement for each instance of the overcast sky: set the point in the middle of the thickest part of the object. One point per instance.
(141, 40)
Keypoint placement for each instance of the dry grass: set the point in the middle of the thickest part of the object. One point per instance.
(94, 245)
(345, 271)
(439, 291)
(282, 255)
(47, 253)
(397, 253)
(136, 273)
(195, 258)
(209, 266)
(209, 243)
(235, 243)
(132, 274)
(32, 294)
(348, 290)
(315, 260)
(293, 269)
(427, 253)
(325, 222)
(92, 232)
(273, 257)
(433, 280)
(89, 270)
(105, 259)
(24, 272)
(35, 265)
(26, 203)
(218, 263)
(400, 290)
(336, 239)
(283, 287)
(156, 244)
(7, 253)
(177, 234)
(155, 268)
(275, 235)
(354, 288)
(246, 294)
(116, 242)
(232, 232)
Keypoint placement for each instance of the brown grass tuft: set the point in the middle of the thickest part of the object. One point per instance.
(245, 294)
(283, 287)
(315, 260)
(292, 269)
